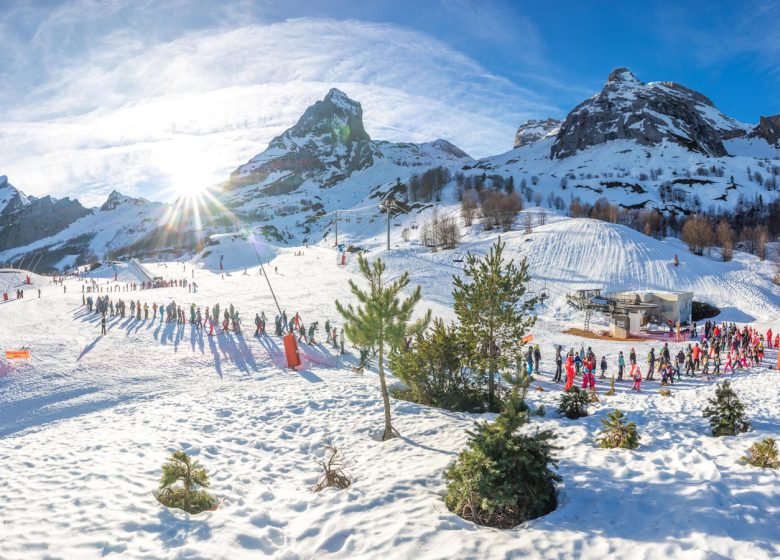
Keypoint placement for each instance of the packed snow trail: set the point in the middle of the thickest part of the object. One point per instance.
(87, 424)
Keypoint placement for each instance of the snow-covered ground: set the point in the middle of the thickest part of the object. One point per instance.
(86, 425)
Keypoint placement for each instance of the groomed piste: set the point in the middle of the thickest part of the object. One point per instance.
(88, 420)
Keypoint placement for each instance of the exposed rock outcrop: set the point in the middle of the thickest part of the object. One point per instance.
(768, 128)
(646, 113)
(533, 130)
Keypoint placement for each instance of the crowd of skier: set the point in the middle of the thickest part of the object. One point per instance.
(212, 320)
(721, 348)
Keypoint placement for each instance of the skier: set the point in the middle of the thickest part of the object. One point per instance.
(341, 340)
(650, 364)
(569, 373)
(558, 365)
(621, 365)
(257, 324)
(603, 367)
(637, 376)
(537, 358)
(103, 325)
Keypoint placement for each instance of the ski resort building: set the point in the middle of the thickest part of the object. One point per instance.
(643, 309)
(633, 312)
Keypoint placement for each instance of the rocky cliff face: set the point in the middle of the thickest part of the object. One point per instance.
(11, 198)
(768, 128)
(533, 130)
(328, 143)
(37, 220)
(648, 114)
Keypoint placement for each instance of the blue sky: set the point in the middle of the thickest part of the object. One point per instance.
(151, 97)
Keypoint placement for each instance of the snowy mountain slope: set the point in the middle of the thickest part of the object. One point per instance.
(119, 222)
(638, 145)
(567, 254)
(326, 162)
(86, 425)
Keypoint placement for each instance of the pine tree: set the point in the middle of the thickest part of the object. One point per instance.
(180, 468)
(763, 454)
(726, 412)
(618, 433)
(436, 370)
(574, 403)
(493, 311)
(381, 320)
(503, 479)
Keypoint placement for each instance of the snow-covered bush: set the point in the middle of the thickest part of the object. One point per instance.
(617, 432)
(182, 482)
(503, 478)
(726, 412)
(574, 403)
(763, 454)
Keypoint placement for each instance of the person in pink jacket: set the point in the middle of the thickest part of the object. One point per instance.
(588, 377)
(637, 375)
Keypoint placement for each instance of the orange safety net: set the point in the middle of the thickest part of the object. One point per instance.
(17, 354)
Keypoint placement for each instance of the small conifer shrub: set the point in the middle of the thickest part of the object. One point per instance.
(617, 432)
(182, 483)
(503, 478)
(763, 454)
(726, 412)
(574, 403)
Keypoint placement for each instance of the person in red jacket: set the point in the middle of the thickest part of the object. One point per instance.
(569, 373)
(696, 356)
(769, 338)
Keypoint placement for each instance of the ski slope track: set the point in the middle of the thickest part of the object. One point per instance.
(86, 424)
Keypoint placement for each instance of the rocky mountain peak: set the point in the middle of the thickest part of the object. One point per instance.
(116, 198)
(11, 198)
(622, 75)
(328, 143)
(535, 129)
(647, 113)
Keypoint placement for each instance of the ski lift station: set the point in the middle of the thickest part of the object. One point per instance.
(629, 312)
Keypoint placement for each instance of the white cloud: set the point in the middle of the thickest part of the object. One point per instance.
(144, 115)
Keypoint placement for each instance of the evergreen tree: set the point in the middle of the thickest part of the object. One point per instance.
(763, 454)
(381, 320)
(192, 477)
(726, 412)
(493, 312)
(502, 478)
(618, 433)
(574, 403)
(436, 370)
